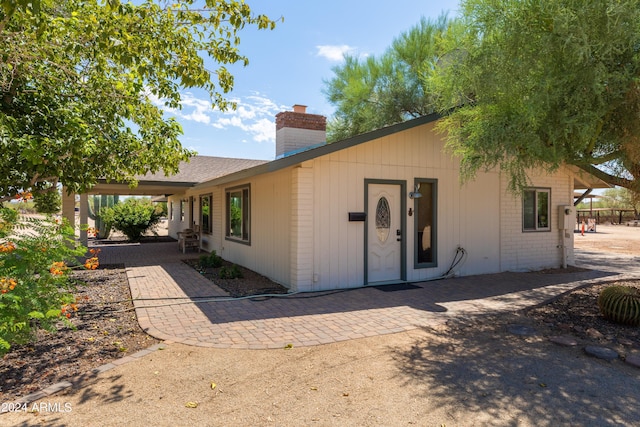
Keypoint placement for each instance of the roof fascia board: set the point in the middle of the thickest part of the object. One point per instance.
(143, 182)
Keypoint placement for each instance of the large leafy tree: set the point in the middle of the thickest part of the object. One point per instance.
(82, 83)
(374, 92)
(542, 83)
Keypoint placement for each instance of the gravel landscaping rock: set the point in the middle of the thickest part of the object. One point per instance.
(564, 340)
(601, 352)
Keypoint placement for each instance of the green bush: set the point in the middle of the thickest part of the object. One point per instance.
(212, 260)
(48, 201)
(230, 273)
(35, 288)
(133, 217)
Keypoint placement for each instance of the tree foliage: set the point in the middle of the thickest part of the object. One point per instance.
(542, 83)
(83, 84)
(48, 201)
(375, 92)
(621, 198)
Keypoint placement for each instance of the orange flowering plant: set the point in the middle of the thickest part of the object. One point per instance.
(36, 291)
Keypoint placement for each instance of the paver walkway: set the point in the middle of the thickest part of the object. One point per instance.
(175, 303)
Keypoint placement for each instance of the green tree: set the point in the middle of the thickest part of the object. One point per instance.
(48, 201)
(375, 92)
(621, 198)
(544, 83)
(133, 217)
(83, 85)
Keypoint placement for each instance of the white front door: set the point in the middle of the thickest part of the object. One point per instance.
(384, 234)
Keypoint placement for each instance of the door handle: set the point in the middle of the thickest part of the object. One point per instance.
(399, 234)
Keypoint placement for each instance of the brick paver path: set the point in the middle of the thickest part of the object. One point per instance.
(174, 303)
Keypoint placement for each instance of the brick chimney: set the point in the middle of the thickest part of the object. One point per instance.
(298, 131)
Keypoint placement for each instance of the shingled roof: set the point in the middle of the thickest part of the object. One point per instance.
(203, 168)
(198, 169)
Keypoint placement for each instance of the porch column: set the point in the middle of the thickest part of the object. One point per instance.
(84, 218)
(69, 207)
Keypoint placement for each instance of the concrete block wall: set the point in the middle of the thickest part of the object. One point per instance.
(533, 250)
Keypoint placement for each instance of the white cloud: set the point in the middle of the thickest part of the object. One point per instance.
(334, 53)
(200, 110)
(263, 130)
(255, 114)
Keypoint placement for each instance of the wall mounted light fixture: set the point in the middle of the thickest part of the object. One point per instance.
(415, 194)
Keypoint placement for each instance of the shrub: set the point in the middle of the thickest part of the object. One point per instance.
(48, 201)
(133, 217)
(230, 273)
(36, 257)
(620, 304)
(212, 260)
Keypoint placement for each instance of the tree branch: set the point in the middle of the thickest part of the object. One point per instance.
(608, 178)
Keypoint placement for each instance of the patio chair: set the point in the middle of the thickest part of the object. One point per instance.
(188, 238)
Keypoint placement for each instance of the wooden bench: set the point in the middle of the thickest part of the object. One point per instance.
(188, 238)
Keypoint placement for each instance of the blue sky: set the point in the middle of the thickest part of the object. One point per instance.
(289, 64)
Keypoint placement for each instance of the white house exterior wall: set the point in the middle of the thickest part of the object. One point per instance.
(534, 250)
(301, 236)
(175, 224)
(268, 251)
(480, 216)
(468, 216)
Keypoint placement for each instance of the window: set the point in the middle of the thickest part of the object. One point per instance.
(383, 219)
(535, 209)
(182, 202)
(238, 213)
(205, 213)
(425, 208)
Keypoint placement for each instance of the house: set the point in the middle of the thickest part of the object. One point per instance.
(383, 207)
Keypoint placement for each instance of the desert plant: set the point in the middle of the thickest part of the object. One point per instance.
(133, 217)
(36, 257)
(620, 304)
(212, 260)
(230, 273)
(96, 204)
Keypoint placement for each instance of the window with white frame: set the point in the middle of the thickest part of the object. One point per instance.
(238, 213)
(536, 209)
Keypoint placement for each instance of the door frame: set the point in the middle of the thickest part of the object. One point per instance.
(403, 225)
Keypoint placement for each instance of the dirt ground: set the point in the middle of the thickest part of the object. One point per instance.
(469, 372)
(620, 239)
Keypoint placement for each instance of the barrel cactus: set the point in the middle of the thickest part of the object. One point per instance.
(620, 304)
(96, 203)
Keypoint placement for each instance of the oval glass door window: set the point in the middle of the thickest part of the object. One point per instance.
(383, 220)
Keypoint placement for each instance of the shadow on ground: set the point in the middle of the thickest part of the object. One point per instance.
(504, 288)
(480, 370)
